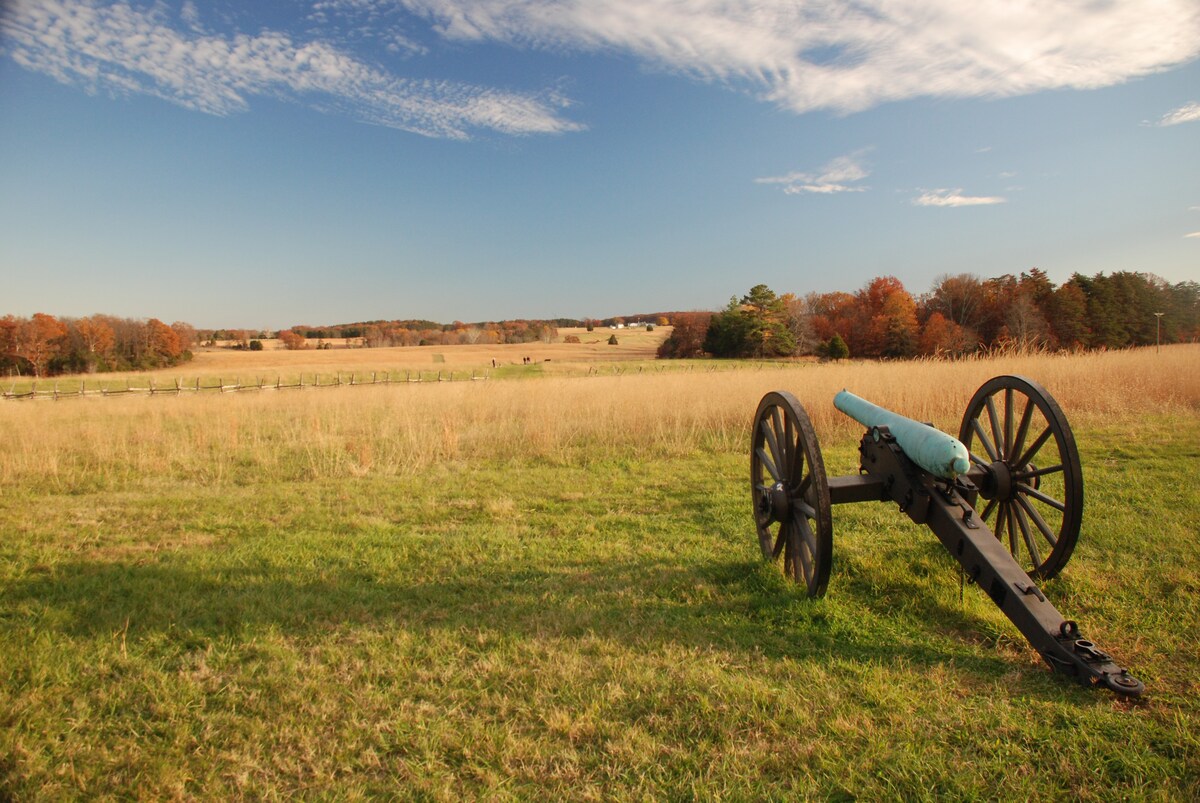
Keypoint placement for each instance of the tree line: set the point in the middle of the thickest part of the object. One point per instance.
(373, 334)
(961, 314)
(43, 345)
(377, 334)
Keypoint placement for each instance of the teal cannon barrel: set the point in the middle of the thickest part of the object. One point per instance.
(931, 449)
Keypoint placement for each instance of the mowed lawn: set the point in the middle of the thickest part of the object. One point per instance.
(552, 589)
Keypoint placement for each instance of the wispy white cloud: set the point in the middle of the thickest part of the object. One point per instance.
(955, 198)
(126, 49)
(1187, 113)
(801, 55)
(1193, 234)
(840, 175)
(830, 54)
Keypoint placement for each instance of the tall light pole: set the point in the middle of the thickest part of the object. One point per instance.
(1158, 332)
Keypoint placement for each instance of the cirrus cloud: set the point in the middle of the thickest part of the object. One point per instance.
(125, 49)
(955, 198)
(1187, 113)
(840, 175)
(828, 54)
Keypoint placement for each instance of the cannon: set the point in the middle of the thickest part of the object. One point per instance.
(1014, 454)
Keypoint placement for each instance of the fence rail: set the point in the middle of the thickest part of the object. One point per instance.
(61, 390)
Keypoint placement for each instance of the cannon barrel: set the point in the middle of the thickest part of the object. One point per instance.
(933, 450)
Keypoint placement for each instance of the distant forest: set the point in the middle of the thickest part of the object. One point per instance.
(44, 345)
(961, 314)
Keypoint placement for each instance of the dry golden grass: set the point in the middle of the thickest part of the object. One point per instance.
(404, 428)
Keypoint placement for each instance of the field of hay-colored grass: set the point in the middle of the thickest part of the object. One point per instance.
(404, 428)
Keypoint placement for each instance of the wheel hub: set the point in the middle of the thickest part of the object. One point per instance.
(999, 482)
(774, 503)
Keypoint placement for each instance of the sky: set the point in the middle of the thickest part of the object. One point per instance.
(265, 164)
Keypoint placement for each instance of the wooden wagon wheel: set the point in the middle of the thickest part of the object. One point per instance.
(790, 492)
(1031, 483)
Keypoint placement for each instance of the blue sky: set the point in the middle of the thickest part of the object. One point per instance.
(266, 164)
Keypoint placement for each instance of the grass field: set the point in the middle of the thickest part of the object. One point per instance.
(551, 589)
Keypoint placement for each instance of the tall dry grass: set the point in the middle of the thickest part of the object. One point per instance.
(247, 438)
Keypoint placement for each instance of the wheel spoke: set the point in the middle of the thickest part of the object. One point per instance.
(792, 446)
(779, 541)
(1008, 422)
(1041, 497)
(1021, 476)
(988, 508)
(1034, 555)
(1001, 520)
(767, 464)
(994, 420)
(802, 508)
(1023, 429)
(1033, 449)
(806, 563)
(781, 442)
(1041, 524)
(983, 439)
(773, 444)
(805, 529)
(979, 461)
(789, 548)
(1012, 532)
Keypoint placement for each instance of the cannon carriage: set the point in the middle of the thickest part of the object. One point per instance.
(1005, 498)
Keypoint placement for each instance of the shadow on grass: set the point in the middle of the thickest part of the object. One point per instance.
(735, 606)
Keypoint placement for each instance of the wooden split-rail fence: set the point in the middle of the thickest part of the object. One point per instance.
(68, 390)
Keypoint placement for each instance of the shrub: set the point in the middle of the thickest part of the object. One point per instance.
(687, 338)
(836, 348)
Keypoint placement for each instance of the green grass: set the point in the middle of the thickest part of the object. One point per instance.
(583, 629)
